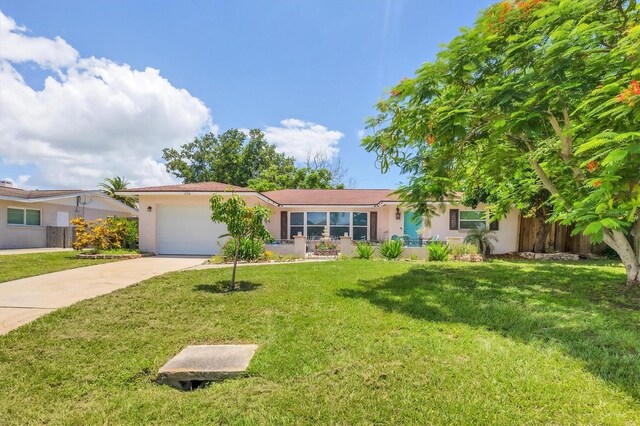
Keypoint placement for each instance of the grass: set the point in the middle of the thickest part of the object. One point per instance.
(16, 266)
(347, 342)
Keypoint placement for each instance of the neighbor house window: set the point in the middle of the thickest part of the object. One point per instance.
(297, 224)
(339, 224)
(360, 226)
(472, 220)
(29, 217)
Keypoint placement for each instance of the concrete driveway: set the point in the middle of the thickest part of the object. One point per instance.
(22, 301)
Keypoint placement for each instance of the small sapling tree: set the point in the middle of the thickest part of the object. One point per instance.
(242, 222)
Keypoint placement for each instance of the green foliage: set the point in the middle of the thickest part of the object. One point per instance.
(243, 223)
(464, 248)
(248, 161)
(128, 230)
(249, 250)
(294, 177)
(392, 249)
(112, 185)
(364, 250)
(483, 239)
(536, 106)
(438, 252)
(325, 246)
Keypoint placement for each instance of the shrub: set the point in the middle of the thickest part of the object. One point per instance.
(109, 234)
(364, 250)
(127, 230)
(391, 249)
(97, 234)
(464, 248)
(249, 250)
(483, 238)
(438, 252)
(326, 246)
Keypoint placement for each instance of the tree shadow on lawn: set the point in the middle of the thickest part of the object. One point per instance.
(583, 310)
(223, 287)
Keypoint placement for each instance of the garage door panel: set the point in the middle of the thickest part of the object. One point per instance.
(188, 230)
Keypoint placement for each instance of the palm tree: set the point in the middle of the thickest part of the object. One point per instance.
(112, 185)
(483, 238)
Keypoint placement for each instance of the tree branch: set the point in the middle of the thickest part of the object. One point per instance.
(566, 152)
(546, 182)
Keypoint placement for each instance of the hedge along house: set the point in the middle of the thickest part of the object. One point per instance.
(176, 219)
(26, 215)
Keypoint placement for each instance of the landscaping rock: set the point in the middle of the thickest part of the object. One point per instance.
(550, 256)
(205, 363)
(468, 257)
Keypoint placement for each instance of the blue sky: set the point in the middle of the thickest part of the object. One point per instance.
(322, 65)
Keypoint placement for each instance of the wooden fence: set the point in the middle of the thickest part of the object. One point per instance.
(60, 236)
(559, 238)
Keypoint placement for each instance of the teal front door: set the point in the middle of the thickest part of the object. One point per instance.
(412, 224)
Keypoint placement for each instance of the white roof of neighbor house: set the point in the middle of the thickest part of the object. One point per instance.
(42, 196)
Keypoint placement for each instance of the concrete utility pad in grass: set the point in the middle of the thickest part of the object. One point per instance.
(199, 364)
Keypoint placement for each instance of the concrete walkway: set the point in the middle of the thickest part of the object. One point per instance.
(32, 250)
(24, 300)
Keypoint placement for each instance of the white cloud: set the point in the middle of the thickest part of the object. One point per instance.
(18, 47)
(97, 119)
(298, 138)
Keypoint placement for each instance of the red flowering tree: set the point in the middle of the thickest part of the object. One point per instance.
(538, 95)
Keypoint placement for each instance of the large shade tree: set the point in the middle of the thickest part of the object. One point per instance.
(244, 160)
(537, 95)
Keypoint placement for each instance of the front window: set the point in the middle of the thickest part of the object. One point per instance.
(297, 224)
(472, 220)
(30, 217)
(360, 226)
(339, 224)
(316, 221)
(312, 224)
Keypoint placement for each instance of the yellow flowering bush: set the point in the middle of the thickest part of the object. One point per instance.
(98, 234)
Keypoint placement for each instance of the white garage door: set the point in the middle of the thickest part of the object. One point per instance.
(188, 230)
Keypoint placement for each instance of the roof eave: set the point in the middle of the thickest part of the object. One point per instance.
(44, 199)
(192, 193)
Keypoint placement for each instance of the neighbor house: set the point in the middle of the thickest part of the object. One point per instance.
(26, 214)
(176, 219)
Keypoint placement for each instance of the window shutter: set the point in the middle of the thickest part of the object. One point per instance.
(493, 226)
(284, 226)
(373, 226)
(453, 219)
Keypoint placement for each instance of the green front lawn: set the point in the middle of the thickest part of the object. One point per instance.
(346, 342)
(16, 266)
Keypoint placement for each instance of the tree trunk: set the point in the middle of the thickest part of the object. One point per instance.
(539, 244)
(618, 241)
(232, 286)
